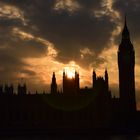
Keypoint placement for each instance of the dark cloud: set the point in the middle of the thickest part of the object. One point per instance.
(69, 33)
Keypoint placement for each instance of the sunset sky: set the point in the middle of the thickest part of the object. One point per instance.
(39, 37)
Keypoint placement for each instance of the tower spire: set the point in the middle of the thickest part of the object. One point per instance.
(106, 79)
(125, 44)
(125, 33)
(53, 84)
(94, 78)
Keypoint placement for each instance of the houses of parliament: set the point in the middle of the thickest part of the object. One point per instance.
(75, 107)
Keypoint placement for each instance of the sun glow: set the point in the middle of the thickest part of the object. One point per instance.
(70, 74)
(70, 69)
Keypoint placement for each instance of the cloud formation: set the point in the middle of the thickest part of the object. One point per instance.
(70, 26)
(38, 37)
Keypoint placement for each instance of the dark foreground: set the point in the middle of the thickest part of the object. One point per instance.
(68, 132)
(67, 135)
(45, 115)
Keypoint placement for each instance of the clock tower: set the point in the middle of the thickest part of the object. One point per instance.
(126, 65)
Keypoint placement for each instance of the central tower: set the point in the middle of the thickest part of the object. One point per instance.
(71, 86)
(126, 64)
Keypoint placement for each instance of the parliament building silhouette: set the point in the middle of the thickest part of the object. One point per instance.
(76, 108)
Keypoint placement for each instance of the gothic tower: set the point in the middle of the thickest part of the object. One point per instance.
(71, 85)
(53, 85)
(106, 80)
(94, 79)
(64, 82)
(126, 64)
(77, 86)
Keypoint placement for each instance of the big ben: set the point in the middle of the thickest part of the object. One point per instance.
(126, 65)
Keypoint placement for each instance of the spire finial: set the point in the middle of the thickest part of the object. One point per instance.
(125, 20)
(64, 72)
(94, 72)
(125, 33)
(105, 69)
